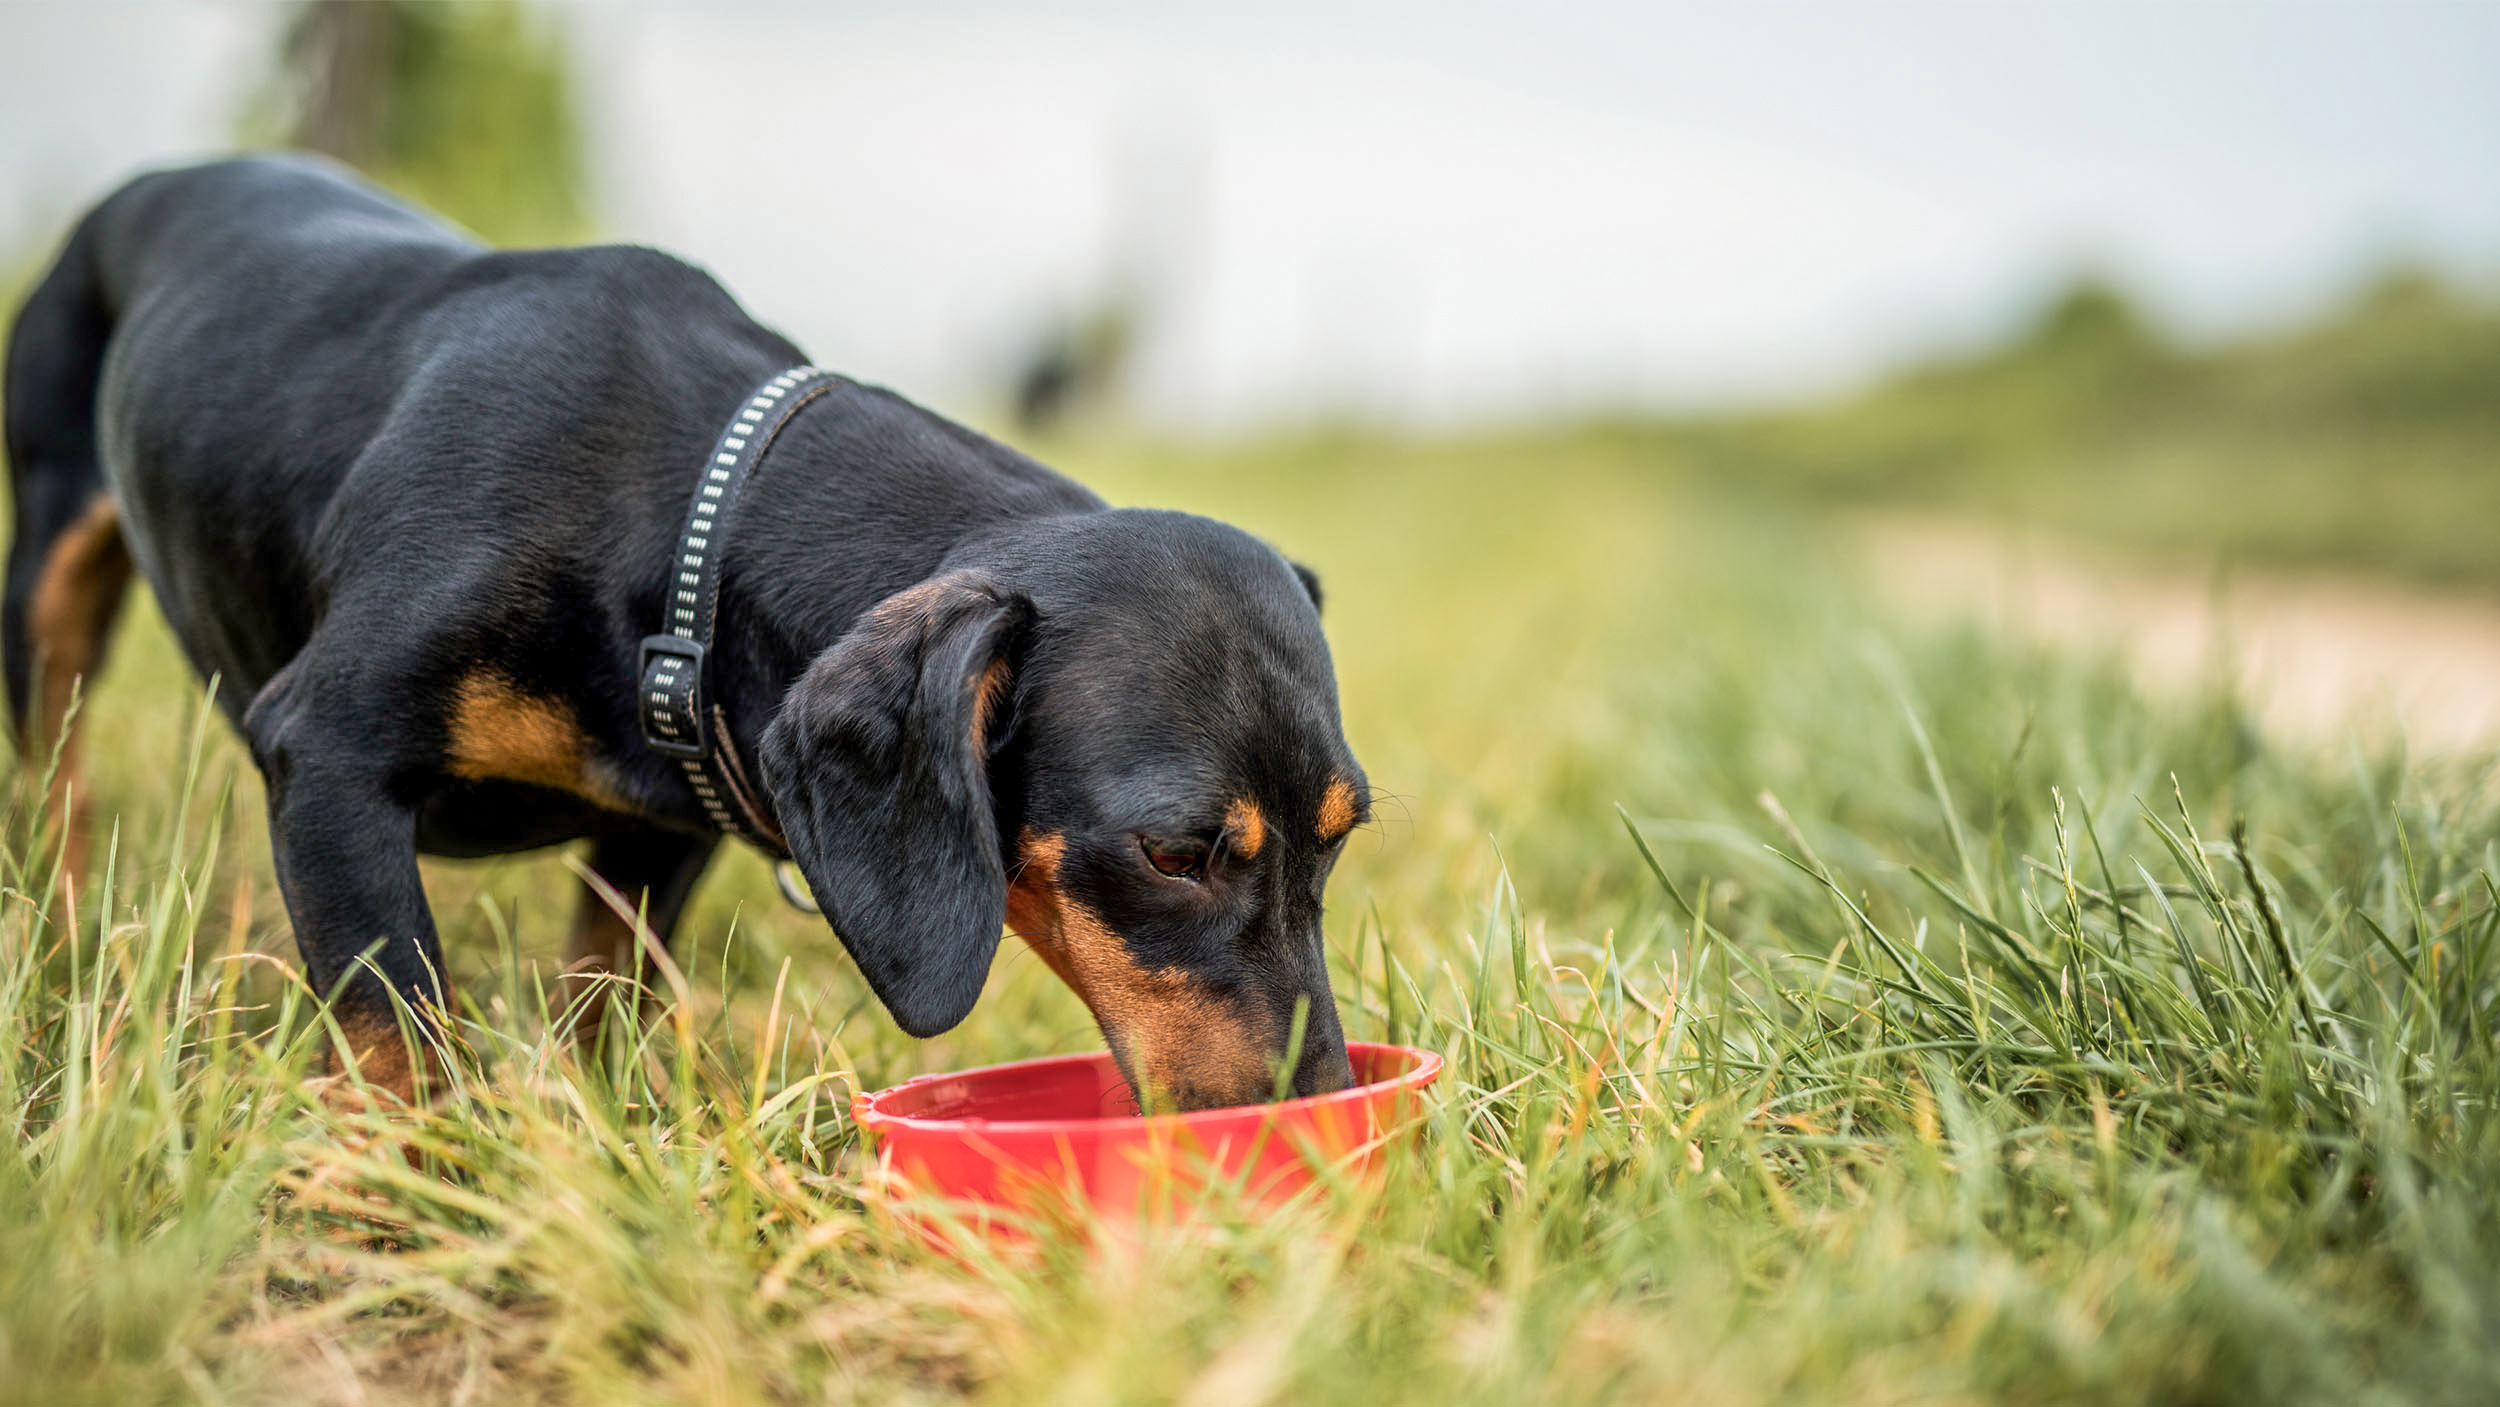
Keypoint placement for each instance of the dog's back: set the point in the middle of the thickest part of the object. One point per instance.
(220, 349)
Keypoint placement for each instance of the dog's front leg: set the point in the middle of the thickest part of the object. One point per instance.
(344, 845)
(646, 876)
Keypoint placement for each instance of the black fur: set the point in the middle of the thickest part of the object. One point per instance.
(361, 458)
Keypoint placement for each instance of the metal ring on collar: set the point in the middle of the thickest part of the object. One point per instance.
(793, 887)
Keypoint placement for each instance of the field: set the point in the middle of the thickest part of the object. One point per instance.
(1838, 1010)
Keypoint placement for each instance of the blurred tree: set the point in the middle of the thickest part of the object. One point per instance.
(2093, 318)
(466, 108)
(2409, 349)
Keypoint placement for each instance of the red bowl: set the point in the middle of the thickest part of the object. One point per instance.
(1040, 1135)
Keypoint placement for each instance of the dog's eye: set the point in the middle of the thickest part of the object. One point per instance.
(1178, 859)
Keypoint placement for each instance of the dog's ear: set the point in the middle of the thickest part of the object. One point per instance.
(1309, 580)
(877, 764)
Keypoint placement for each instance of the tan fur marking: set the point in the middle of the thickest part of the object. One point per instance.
(1172, 1034)
(601, 936)
(602, 943)
(383, 1058)
(69, 616)
(1336, 809)
(1247, 826)
(501, 734)
(985, 698)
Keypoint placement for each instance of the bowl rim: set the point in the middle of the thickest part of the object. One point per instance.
(868, 1116)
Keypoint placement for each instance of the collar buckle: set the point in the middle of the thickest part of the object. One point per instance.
(670, 693)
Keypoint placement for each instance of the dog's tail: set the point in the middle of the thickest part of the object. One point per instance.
(66, 545)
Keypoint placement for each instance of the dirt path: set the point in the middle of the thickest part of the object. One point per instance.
(2314, 653)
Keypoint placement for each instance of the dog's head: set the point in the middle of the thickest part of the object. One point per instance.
(1116, 734)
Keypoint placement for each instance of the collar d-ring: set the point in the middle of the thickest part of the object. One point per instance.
(793, 887)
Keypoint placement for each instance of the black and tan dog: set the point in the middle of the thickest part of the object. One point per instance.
(415, 503)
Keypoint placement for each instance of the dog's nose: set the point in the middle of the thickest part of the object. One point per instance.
(1323, 1070)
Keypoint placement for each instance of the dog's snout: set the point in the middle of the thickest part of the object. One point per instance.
(1325, 1075)
(1218, 1064)
(1321, 1066)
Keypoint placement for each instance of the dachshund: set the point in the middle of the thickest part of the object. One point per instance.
(417, 506)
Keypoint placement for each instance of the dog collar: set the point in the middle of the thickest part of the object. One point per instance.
(680, 719)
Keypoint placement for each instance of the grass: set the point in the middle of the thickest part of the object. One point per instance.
(1937, 1021)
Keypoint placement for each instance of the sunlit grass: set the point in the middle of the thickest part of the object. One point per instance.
(1924, 1027)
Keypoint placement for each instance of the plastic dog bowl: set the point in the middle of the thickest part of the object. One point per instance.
(1048, 1135)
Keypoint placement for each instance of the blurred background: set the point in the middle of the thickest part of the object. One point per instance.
(1413, 213)
(1591, 352)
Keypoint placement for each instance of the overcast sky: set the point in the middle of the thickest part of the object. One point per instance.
(1436, 210)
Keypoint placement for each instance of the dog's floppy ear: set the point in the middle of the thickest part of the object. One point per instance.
(877, 767)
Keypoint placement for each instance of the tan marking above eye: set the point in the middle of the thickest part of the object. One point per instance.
(1247, 827)
(1336, 809)
(1170, 1031)
(498, 733)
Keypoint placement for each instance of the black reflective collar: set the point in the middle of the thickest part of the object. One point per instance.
(680, 719)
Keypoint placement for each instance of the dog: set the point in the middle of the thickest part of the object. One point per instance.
(416, 505)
